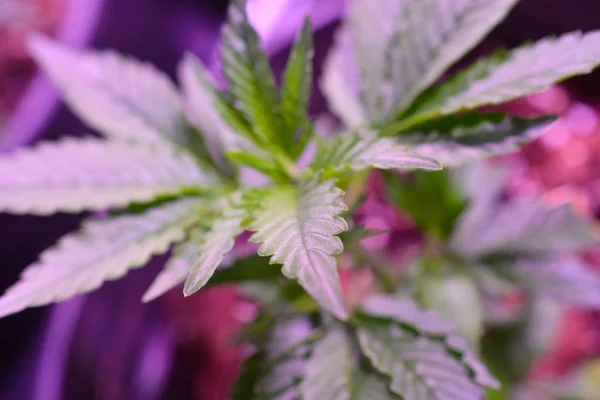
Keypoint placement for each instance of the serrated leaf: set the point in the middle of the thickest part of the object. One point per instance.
(523, 225)
(251, 81)
(73, 175)
(486, 139)
(340, 82)
(104, 249)
(296, 90)
(328, 369)
(216, 242)
(372, 387)
(564, 277)
(430, 324)
(359, 150)
(297, 228)
(404, 47)
(175, 271)
(419, 368)
(200, 98)
(122, 98)
(528, 69)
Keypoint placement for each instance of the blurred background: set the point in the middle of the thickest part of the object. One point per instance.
(108, 345)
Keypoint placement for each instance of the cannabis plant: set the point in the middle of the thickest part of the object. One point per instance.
(169, 174)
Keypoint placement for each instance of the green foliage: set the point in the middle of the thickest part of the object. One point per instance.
(171, 171)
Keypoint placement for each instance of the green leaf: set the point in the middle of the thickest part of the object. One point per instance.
(419, 367)
(175, 271)
(528, 69)
(371, 386)
(329, 368)
(296, 90)
(340, 82)
(359, 150)
(73, 175)
(216, 242)
(564, 277)
(254, 268)
(429, 324)
(485, 139)
(404, 47)
(297, 227)
(104, 249)
(523, 225)
(200, 97)
(122, 98)
(250, 77)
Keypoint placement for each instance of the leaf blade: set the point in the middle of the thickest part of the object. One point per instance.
(298, 228)
(102, 250)
(73, 175)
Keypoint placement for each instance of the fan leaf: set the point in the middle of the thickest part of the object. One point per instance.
(250, 78)
(104, 249)
(361, 150)
(328, 369)
(217, 242)
(296, 90)
(404, 47)
(122, 98)
(297, 228)
(73, 175)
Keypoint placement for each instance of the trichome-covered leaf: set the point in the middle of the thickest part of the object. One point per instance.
(73, 175)
(405, 46)
(251, 81)
(297, 228)
(104, 249)
(359, 150)
(122, 98)
(217, 241)
(329, 368)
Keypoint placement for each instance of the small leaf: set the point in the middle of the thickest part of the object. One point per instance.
(429, 324)
(73, 175)
(122, 98)
(404, 47)
(104, 249)
(487, 139)
(328, 369)
(200, 98)
(216, 242)
(361, 150)
(340, 82)
(564, 277)
(523, 225)
(175, 271)
(296, 90)
(297, 227)
(419, 368)
(528, 69)
(250, 77)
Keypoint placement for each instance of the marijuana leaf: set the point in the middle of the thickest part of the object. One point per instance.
(461, 145)
(122, 98)
(296, 90)
(528, 69)
(358, 150)
(371, 386)
(329, 368)
(216, 242)
(297, 227)
(404, 47)
(250, 77)
(91, 174)
(104, 249)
